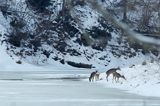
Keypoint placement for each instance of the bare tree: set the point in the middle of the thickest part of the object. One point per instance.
(125, 8)
(128, 31)
(146, 16)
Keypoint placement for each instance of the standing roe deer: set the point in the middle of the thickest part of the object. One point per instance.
(111, 71)
(116, 76)
(94, 76)
(97, 76)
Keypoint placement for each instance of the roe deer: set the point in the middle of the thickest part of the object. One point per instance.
(116, 76)
(94, 76)
(97, 76)
(111, 71)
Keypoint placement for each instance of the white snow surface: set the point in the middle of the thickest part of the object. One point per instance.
(86, 17)
(141, 79)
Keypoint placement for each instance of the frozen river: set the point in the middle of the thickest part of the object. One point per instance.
(22, 89)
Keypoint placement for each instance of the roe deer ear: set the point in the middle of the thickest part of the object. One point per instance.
(123, 77)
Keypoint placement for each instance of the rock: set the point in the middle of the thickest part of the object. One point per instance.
(79, 65)
(18, 62)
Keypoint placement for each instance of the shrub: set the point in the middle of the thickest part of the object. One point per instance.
(39, 4)
(144, 63)
(18, 62)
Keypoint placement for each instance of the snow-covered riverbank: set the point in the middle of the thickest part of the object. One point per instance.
(66, 93)
(141, 79)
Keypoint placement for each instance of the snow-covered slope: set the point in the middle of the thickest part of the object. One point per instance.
(62, 41)
(8, 63)
(143, 79)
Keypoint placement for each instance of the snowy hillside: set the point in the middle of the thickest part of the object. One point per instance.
(77, 40)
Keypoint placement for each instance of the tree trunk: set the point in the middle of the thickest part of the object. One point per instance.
(125, 10)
